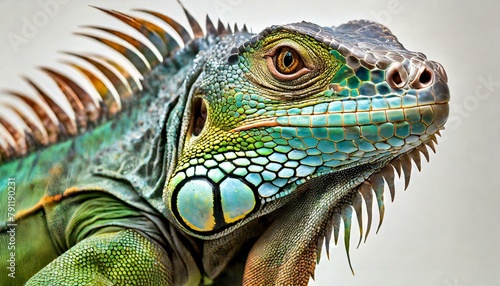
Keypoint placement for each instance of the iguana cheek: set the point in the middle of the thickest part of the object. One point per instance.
(203, 206)
(194, 202)
(237, 200)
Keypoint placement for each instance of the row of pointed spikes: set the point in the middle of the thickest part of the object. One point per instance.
(56, 124)
(374, 185)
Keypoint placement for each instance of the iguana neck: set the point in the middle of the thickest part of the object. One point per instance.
(129, 145)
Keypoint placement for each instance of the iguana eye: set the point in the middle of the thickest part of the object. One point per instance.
(285, 63)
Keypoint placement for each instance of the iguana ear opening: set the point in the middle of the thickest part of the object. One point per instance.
(199, 116)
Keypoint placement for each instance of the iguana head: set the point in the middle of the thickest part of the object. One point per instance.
(272, 112)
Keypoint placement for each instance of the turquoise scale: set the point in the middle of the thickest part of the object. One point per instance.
(363, 104)
(303, 132)
(326, 146)
(297, 154)
(320, 108)
(267, 190)
(352, 132)
(313, 151)
(319, 121)
(216, 175)
(308, 110)
(268, 176)
(336, 134)
(255, 168)
(313, 161)
(320, 133)
(282, 149)
(335, 119)
(298, 144)
(379, 103)
(349, 119)
(335, 106)
(273, 167)
(310, 142)
(254, 178)
(300, 120)
(278, 157)
(394, 102)
(291, 164)
(395, 115)
(382, 146)
(286, 173)
(349, 105)
(304, 171)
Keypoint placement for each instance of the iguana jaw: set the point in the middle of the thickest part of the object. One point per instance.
(364, 181)
(368, 187)
(346, 188)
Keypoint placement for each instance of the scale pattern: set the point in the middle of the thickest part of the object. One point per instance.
(233, 145)
(108, 259)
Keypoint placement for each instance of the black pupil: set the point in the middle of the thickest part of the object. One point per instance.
(288, 59)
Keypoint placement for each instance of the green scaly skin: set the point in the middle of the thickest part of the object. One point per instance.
(232, 165)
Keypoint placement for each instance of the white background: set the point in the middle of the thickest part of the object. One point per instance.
(444, 230)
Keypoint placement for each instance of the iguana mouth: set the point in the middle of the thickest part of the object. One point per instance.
(310, 120)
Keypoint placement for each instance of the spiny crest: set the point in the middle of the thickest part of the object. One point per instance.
(369, 190)
(44, 122)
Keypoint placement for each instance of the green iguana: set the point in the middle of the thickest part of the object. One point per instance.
(232, 161)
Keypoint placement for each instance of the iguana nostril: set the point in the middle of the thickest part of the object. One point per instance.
(397, 76)
(424, 78)
(199, 116)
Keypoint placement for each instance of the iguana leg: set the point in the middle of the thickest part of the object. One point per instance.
(286, 254)
(120, 258)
